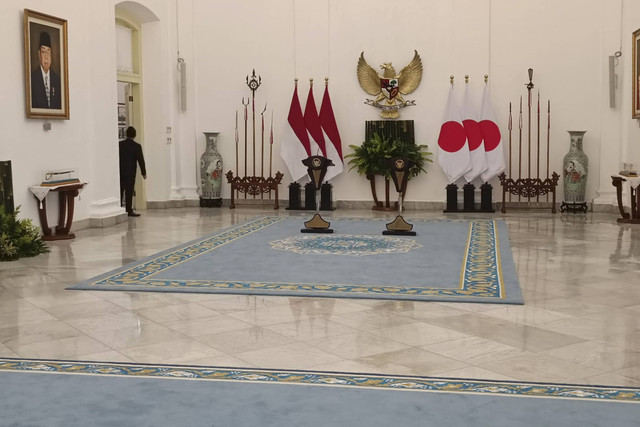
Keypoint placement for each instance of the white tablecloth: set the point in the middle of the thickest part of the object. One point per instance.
(633, 181)
(41, 191)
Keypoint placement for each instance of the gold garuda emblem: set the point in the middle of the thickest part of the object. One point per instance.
(389, 87)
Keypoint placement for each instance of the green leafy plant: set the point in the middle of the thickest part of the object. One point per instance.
(18, 237)
(371, 158)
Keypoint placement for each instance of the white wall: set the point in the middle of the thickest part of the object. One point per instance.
(566, 43)
(87, 141)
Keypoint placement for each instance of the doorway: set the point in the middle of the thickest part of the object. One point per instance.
(128, 115)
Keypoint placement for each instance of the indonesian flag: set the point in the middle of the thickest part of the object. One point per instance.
(474, 138)
(295, 145)
(333, 143)
(492, 139)
(312, 122)
(453, 151)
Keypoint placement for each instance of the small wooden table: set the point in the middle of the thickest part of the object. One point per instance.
(634, 183)
(66, 196)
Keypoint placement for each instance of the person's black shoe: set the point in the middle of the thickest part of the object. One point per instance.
(133, 214)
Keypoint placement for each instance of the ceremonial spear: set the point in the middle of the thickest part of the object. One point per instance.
(245, 137)
(271, 148)
(254, 84)
(520, 144)
(236, 142)
(237, 148)
(510, 129)
(262, 149)
(548, 129)
(529, 87)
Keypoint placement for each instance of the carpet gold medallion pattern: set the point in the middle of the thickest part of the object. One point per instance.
(480, 275)
(381, 382)
(345, 245)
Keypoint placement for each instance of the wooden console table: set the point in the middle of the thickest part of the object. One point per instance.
(634, 183)
(66, 196)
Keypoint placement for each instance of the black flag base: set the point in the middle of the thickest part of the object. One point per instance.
(316, 225)
(399, 227)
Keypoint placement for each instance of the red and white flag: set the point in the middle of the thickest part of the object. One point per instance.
(312, 122)
(333, 143)
(493, 145)
(295, 145)
(453, 151)
(474, 138)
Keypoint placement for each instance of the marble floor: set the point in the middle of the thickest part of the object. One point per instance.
(580, 276)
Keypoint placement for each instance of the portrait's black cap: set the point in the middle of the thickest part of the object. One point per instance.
(45, 39)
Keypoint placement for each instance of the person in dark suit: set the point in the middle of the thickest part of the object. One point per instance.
(45, 83)
(130, 157)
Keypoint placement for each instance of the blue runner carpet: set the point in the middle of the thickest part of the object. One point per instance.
(69, 394)
(448, 260)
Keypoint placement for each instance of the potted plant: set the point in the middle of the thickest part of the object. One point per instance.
(371, 159)
(18, 237)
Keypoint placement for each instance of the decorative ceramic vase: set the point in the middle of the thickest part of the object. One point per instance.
(211, 173)
(575, 168)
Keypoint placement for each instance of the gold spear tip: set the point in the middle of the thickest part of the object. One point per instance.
(466, 78)
(451, 78)
(296, 81)
(486, 77)
(326, 81)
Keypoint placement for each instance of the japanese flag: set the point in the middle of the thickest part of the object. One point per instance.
(493, 146)
(474, 138)
(453, 150)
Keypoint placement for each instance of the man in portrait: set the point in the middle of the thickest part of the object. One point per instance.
(45, 83)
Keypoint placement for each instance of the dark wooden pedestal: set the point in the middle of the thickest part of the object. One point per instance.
(634, 218)
(66, 195)
(378, 205)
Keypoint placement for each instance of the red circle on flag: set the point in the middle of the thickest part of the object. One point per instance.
(491, 134)
(452, 137)
(474, 134)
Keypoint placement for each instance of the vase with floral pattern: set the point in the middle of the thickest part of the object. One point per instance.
(575, 167)
(211, 173)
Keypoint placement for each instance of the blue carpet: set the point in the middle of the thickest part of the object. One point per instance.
(448, 260)
(59, 393)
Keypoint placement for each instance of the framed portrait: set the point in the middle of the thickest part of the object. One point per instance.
(122, 133)
(122, 114)
(45, 66)
(635, 74)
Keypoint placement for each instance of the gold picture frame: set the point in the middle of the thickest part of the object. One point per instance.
(635, 74)
(45, 66)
